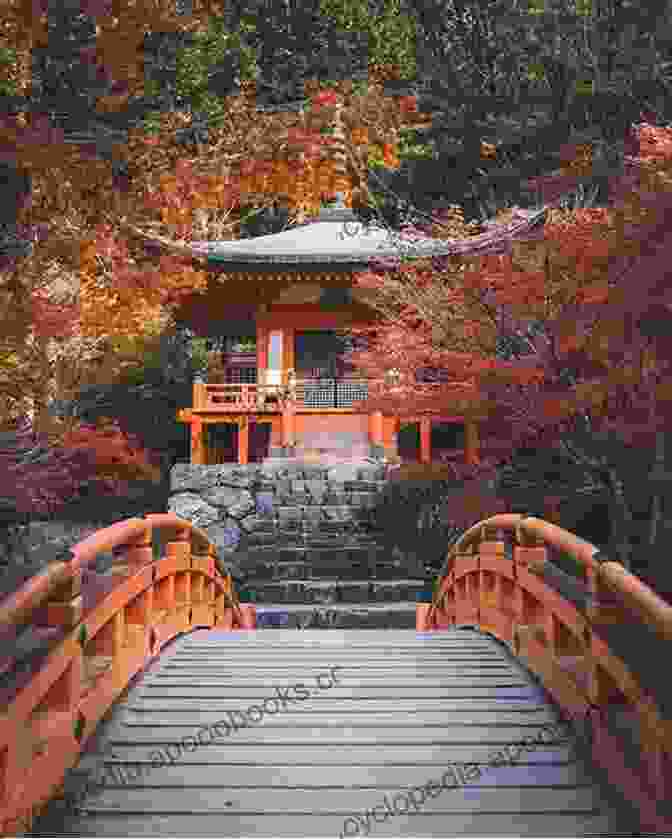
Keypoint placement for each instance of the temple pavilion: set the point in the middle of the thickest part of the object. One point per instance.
(277, 301)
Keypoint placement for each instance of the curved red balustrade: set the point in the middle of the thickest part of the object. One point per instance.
(570, 630)
(92, 633)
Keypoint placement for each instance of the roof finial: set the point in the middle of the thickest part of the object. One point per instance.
(338, 210)
(340, 158)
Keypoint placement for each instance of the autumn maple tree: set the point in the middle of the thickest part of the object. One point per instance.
(542, 343)
(92, 288)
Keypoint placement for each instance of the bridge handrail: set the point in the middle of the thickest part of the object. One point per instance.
(34, 592)
(590, 644)
(648, 605)
(54, 702)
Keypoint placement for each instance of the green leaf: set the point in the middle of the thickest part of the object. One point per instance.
(7, 55)
(584, 88)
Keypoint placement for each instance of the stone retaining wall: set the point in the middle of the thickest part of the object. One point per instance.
(226, 500)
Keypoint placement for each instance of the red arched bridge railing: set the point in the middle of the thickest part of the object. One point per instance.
(596, 636)
(97, 631)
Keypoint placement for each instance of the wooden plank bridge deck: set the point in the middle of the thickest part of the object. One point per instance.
(364, 754)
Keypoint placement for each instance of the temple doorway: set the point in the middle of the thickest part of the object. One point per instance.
(260, 441)
(222, 442)
(317, 354)
(319, 359)
(408, 442)
(446, 438)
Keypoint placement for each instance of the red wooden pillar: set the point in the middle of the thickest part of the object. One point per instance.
(243, 440)
(471, 442)
(262, 349)
(425, 440)
(288, 426)
(197, 447)
(376, 428)
(288, 360)
(394, 441)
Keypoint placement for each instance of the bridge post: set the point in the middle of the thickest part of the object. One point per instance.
(526, 554)
(136, 553)
(64, 610)
(133, 556)
(492, 553)
(444, 614)
(466, 588)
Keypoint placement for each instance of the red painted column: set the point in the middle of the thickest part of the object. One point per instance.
(243, 441)
(376, 428)
(262, 349)
(197, 448)
(425, 440)
(471, 442)
(394, 441)
(287, 426)
(288, 361)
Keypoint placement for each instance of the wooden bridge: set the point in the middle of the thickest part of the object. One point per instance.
(144, 701)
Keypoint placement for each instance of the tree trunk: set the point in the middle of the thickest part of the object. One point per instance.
(621, 520)
(656, 501)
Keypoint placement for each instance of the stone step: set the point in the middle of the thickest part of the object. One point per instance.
(294, 542)
(268, 501)
(293, 487)
(363, 563)
(299, 570)
(337, 616)
(336, 590)
(322, 531)
(317, 512)
(311, 515)
(295, 571)
(322, 557)
(306, 525)
(285, 517)
(344, 523)
(325, 532)
(374, 480)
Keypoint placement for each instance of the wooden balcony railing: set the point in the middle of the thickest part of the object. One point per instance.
(305, 393)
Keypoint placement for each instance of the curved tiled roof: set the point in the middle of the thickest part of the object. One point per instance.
(337, 237)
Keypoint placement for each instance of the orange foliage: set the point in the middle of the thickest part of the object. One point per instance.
(116, 456)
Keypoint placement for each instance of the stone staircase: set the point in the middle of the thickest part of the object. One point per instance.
(314, 559)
